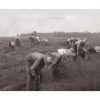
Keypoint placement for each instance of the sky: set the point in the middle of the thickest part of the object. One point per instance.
(17, 21)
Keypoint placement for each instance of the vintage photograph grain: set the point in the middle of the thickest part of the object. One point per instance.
(49, 50)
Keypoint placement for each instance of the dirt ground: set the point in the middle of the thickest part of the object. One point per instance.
(72, 76)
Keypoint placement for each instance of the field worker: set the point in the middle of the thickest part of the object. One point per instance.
(35, 63)
(70, 42)
(32, 39)
(66, 53)
(37, 39)
(17, 42)
(32, 36)
(12, 45)
(81, 44)
(68, 45)
(92, 50)
(83, 53)
(75, 51)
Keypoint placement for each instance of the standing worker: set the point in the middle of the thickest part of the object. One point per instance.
(17, 42)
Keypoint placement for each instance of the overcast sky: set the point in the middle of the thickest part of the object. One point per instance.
(14, 22)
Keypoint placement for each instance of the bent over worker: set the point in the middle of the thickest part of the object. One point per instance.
(35, 63)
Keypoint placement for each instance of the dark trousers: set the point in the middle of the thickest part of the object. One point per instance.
(33, 81)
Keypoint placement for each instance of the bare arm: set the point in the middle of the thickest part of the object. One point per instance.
(55, 60)
(36, 63)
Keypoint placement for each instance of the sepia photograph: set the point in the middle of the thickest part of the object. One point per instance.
(49, 49)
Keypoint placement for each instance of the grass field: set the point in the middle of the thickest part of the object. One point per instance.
(73, 76)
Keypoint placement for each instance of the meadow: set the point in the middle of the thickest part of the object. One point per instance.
(73, 76)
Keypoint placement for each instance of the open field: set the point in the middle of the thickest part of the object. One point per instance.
(72, 76)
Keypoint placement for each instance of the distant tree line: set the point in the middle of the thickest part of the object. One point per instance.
(61, 34)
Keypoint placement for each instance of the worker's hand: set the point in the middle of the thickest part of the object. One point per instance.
(33, 73)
